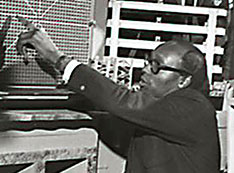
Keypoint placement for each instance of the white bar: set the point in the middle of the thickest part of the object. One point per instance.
(32, 87)
(183, 2)
(143, 44)
(210, 43)
(170, 8)
(34, 97)
(115, 30)
(166, 27)
(217, 49)
(230, 151)
(230, 127)
(217, 69)
(137, 44)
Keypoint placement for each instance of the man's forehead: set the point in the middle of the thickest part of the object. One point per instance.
(157, 55)
(165, 53)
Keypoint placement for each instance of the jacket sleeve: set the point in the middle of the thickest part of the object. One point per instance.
(172, 118)
(114, 133)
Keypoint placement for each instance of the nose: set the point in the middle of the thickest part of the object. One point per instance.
(146, 69)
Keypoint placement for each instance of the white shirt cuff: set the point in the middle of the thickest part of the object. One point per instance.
(69, 69)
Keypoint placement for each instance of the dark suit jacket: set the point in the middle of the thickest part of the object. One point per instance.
(175, 134)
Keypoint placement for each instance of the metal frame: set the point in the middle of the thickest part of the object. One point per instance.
(228, 109)
(210, 29)
(38, 159)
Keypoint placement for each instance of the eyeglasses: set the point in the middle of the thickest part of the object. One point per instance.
(155, 67)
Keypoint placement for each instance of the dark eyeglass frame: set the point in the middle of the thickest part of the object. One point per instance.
(155, 68)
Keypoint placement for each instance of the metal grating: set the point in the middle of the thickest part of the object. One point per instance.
(65, 21)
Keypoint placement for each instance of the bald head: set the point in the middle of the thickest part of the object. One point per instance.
(190, 59)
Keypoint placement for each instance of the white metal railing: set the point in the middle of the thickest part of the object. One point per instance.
(192, 29)
(167, 8)
(228, 108)
(210, 28)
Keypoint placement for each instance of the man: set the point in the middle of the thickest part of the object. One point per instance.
(175, 129)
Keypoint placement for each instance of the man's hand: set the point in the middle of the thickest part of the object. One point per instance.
(39, 40)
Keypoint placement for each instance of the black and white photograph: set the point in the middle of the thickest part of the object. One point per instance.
(116, 86)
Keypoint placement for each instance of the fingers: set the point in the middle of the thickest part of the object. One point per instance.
(26, 23)
(37, 39)
(21, 47)
(25, 59)
(28, 34)
(25, 39)
(21, 42)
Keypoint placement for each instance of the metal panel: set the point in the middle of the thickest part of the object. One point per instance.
(66, 22)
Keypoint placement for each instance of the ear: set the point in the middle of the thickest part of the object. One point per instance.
(184, 82)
